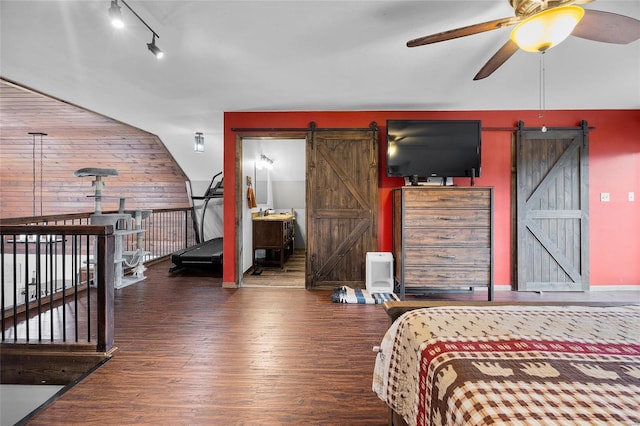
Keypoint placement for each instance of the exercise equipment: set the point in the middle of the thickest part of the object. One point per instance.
(203, 253)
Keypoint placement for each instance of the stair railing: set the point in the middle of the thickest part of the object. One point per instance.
(56, 284)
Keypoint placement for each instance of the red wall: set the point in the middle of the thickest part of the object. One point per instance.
(614, 167)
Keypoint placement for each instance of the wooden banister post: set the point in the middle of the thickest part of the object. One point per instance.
(105, 283)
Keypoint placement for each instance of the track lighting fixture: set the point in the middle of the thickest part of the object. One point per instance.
(116, 20)
(154, 49)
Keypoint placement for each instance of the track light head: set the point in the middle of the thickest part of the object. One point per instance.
(115, 14)
(155, 49)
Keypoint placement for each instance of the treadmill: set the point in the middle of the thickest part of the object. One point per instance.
(203, 253)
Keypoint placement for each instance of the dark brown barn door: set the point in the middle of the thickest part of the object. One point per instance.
(342, 194)
(552, 209)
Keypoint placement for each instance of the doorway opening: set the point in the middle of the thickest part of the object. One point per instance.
(272, 170)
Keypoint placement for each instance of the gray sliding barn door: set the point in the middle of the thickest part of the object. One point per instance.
(552, 209)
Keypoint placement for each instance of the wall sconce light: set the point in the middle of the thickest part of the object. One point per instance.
(546, 29)
(265, 163)
(116, 20)
(198, 142)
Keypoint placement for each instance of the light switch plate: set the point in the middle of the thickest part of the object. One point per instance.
(605, 197)
(632, 196)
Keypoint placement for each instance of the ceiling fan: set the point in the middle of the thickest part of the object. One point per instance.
(589, 24)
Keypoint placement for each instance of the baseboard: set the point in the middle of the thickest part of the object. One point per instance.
(630, 287)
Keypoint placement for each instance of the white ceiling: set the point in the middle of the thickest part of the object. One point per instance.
(294, 55)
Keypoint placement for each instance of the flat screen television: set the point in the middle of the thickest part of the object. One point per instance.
(433, 148)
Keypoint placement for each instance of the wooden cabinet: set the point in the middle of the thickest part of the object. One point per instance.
(275, 234)
(443, 238)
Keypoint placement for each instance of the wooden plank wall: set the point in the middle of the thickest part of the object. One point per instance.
(39, 177)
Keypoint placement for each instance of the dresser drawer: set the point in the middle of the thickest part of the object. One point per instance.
(447, 256)
(442, 276)
(447, 197)
(445, 237)
(419, 218)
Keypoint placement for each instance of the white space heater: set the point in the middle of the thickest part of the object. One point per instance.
(379, 272)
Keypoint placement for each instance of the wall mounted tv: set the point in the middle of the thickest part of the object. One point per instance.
(433, 148)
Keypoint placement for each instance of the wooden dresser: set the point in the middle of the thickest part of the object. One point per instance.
(274, 233)
(443, 238)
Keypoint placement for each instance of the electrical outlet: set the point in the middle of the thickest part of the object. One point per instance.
(632, 196)
(605, 197)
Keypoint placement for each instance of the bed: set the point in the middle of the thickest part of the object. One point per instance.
(476, 364)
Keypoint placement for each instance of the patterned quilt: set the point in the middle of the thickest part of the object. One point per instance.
(512, 365)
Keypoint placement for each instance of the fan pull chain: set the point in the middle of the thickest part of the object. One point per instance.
(542, 91)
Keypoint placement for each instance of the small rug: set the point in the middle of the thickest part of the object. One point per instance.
(356, 295)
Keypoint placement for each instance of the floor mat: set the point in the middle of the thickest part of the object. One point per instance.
(360, 296)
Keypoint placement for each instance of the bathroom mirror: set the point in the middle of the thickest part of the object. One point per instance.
(261, 184)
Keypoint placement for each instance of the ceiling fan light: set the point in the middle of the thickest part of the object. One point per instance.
(546, 29)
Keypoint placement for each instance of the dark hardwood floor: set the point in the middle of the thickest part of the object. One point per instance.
(191, 352)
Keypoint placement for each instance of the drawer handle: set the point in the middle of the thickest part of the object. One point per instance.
(446, 237)
(448, 199)
(448, 218)
(445, 276)
(446, 256)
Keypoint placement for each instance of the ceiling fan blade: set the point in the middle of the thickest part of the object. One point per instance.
(463, 31)
(607, 27)
(499, 58)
